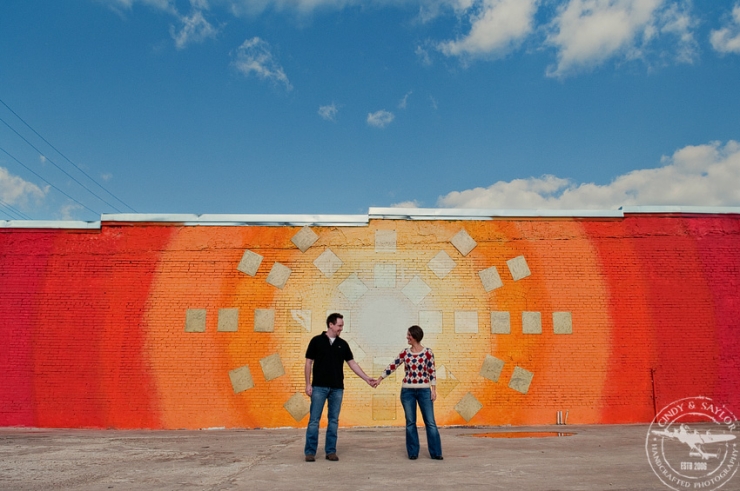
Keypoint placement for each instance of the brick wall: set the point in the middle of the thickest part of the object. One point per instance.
(141, 325)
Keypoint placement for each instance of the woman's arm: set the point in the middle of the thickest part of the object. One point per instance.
(432, 371)
(393, 365)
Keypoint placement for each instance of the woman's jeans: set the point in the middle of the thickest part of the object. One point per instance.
(319, 397)
(423, 397)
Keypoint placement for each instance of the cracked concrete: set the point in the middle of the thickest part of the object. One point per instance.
(595, 458)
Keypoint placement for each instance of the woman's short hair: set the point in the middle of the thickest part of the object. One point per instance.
(417, 333)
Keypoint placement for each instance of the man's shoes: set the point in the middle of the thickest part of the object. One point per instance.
(438, 457)
(332, 456)
(310, 458)
(413, 457)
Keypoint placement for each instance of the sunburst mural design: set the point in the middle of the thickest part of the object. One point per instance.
(382, 288)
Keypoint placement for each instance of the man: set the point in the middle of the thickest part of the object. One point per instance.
(325, 357)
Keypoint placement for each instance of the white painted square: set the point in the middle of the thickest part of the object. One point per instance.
(490, 278)
(298, 406)
(279, 275)
(352, 288)
(431, 321)
(531, 323)
(466, 322)
(228, 320)
(446, 381)
(264, 320)
(468, 407)
(384, 407)
(305, 238)
(385, 275)
(491, 368)
(518, 268)
(441, 264)
(521, 379)
(328, 263)
(385, 241)
(302, 318)
(562, 323)
(416, 290)
(250, 263)
(463, 242)
(195, 320)
(500, 322)
(272, 367)
(241, 379)
(357, 352)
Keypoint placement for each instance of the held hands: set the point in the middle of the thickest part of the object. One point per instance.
(374, 383)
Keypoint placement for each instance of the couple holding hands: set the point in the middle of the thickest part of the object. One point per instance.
(325, 357)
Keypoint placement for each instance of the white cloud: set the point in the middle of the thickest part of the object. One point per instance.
(406, 204)
(431, 9)
(677, 20)
(254, 7)
(402, 104)
(423, 55)
(588, 32)
(118, 5)
(195, 29)
(329, 112)
(254, 56)
(15, 190)
(497, 27)
(703, 175)
(727, 39)
(380, 119)
(67, 212)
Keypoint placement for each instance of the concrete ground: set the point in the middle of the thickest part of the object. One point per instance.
(594, 458)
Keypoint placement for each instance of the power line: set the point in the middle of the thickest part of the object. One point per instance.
(14, 209)
(11, 217)
(47, 182)
(67, 158)
(55, 165)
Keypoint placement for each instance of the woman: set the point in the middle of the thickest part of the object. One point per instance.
(419, 387)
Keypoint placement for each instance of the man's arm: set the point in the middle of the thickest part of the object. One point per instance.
(356, 368)
(307, 371)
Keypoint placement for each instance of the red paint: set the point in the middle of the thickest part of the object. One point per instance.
(627, 394)
(21, 256)
(717, 244)
(681, 307)
(76, 342)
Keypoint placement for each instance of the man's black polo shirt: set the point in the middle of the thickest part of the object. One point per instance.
(328, 360)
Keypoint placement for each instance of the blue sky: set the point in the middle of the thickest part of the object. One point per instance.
(335, 106)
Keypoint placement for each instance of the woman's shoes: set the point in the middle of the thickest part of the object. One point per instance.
(438, 457)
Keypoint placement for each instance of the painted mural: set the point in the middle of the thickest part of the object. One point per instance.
(144, 325)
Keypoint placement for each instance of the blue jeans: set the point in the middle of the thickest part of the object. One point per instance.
(319, 397)
(423, 397)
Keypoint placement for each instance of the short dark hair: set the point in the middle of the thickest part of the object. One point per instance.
(417, 333)
(332, 319)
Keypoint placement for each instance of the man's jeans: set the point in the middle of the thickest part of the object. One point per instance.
(319, 396)
(409, 399)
